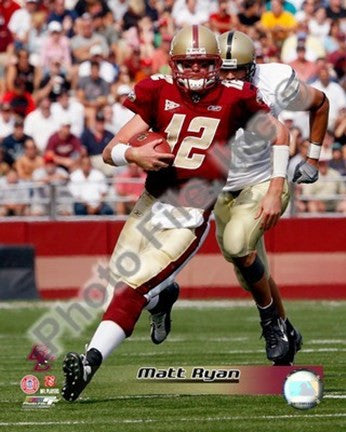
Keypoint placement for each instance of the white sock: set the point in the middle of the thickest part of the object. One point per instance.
(107, 337)
(152, 303)
(265, 307)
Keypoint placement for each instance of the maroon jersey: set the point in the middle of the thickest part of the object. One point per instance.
(194, 130)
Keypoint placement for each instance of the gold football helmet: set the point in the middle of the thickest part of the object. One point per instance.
(237, 52)
(193, 45)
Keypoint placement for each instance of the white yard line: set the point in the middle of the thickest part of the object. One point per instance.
(191, 339)
(164, 353)
(327, 341)
(175, 420)
(333, 396)
(181, 304)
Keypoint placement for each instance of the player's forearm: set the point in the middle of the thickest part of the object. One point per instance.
(276, 186)
(318, 112)
(117, 152)
(282, 134)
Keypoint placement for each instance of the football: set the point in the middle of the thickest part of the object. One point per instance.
(145, 137)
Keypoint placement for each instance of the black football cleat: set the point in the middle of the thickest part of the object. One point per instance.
(160, 315)
(295, 343)
(78, 370)
(275, 334)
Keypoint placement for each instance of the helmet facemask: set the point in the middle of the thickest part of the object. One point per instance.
(250, 69)
(196, 80)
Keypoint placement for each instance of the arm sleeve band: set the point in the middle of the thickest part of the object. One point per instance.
(280, 161)
(118, 154)
(314, 151)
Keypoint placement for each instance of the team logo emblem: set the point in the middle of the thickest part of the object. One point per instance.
(29, 384)
(170, 105)
(50, 381)
(41, 356)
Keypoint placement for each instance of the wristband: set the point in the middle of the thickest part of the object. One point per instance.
(118, 154)
(280, 161)
(314, 151)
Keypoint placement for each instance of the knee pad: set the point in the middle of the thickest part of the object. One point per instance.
(125, 308)
(252, 273)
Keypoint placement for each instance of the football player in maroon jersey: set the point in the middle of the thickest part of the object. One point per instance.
(198, 115)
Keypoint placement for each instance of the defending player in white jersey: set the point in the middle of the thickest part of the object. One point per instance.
(249, 194)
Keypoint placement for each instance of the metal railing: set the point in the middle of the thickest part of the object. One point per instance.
(55, 200)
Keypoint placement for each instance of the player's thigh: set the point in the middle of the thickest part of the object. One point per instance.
(158, 262)
(133, 238)
(143, 250)
(243, 231)
(222, 214)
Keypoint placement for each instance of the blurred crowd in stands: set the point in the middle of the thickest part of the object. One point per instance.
(67, 65)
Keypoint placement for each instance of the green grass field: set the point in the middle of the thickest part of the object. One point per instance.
(203, 334)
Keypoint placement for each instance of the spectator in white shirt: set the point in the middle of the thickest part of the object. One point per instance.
(334, 92)
(319, 26)
(49, 174)
(118, 8)
(14, 195)
(6, 121)
(68, 107)
(40, 124)
(88, 187)
(121, 115)
(107, 71)
(21, 22)
(189, 12)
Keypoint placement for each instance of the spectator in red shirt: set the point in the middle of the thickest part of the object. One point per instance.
(64, 147)
(133, 63)
(20, 100)
(221, 21)
(7, 7)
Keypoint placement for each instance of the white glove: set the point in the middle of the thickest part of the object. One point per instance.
(305, 173)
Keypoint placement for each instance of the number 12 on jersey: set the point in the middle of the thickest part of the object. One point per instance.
(185, 158)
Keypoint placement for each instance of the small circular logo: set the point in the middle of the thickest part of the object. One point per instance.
(29, 384)
(303, 389)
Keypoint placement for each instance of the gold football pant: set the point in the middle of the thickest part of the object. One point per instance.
(237, 231)
(148, 256)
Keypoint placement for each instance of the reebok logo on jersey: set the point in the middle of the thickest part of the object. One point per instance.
(214, 108)
(170, 105)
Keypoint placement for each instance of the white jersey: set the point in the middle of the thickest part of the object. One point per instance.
(251, 157)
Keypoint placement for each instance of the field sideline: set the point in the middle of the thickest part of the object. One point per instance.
(204, 333)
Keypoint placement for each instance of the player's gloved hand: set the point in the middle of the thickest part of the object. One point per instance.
(305, 173)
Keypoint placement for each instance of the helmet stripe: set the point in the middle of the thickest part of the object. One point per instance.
(229, 45)
(195, 36)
